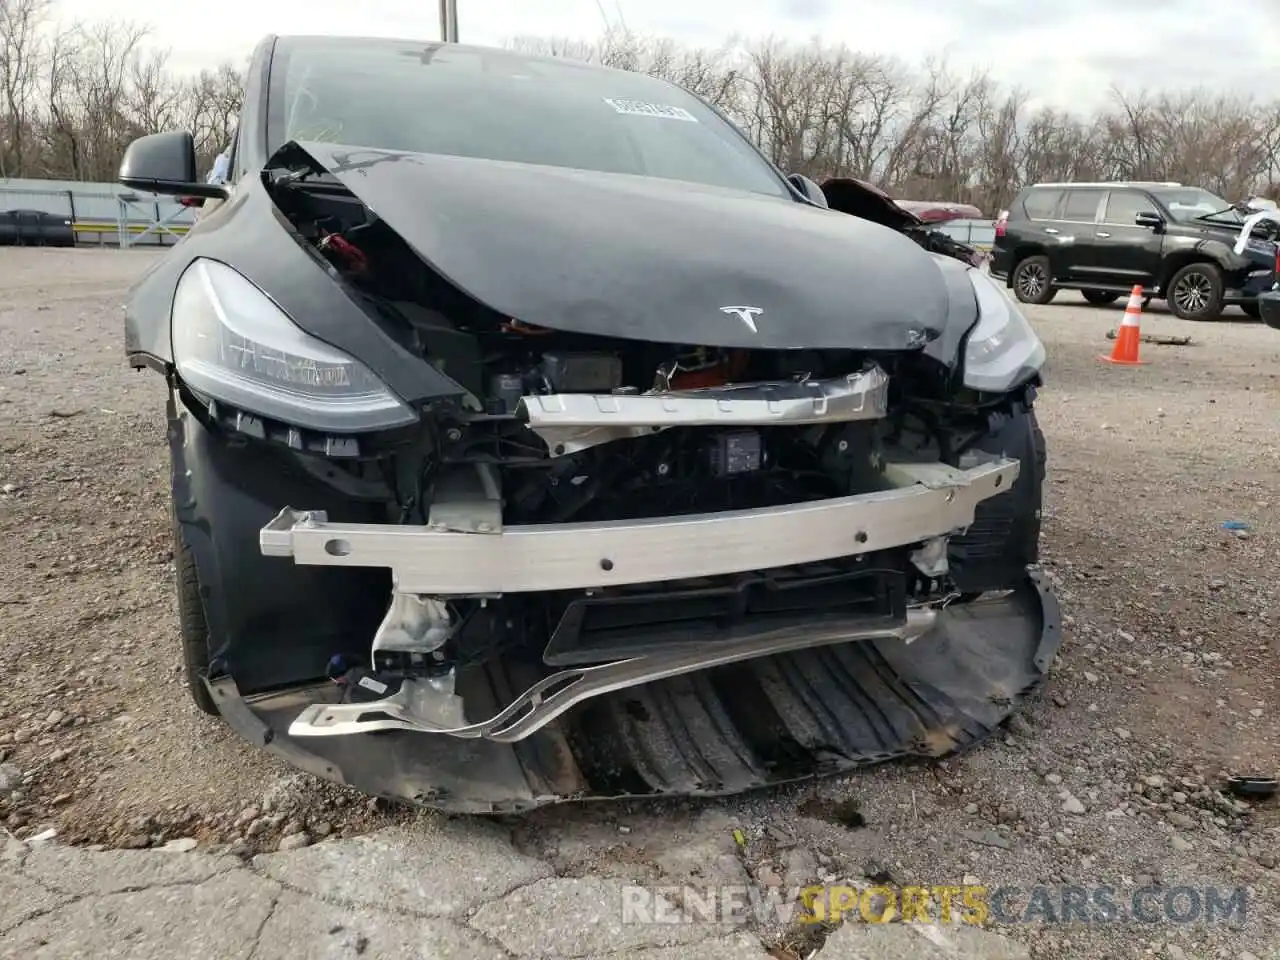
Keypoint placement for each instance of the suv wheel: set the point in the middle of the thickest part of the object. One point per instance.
(1031, 281)
(1195, 292)
(1100, 298)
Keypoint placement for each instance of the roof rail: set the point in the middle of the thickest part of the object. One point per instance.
(1111, 183)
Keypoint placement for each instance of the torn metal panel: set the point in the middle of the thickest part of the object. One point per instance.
(570, 422)
(413, 707)
(769, 720)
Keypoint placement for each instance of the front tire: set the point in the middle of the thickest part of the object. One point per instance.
(1033, 282)
(1100, 298)
(193, 627)
(1195, 292)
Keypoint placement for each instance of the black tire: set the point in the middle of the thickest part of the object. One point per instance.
(192, 624)
(1032, 281)
(1252, 309)
(1195, 292)
(1100, 298)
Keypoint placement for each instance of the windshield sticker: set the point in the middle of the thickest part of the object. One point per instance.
(642, 108)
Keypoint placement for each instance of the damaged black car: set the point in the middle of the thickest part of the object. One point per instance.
(534, 438)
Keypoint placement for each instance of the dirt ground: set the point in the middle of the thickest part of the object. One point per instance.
(1167, 681)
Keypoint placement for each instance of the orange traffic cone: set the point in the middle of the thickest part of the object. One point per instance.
(1126, 349)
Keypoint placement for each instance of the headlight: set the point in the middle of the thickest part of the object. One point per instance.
(232, 343)
(1003, 350)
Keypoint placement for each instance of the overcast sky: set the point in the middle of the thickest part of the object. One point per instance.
(1065, 52)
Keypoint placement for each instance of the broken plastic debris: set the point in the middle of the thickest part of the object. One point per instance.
(1234, 525)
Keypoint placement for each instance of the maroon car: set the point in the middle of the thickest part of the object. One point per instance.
(913, 217)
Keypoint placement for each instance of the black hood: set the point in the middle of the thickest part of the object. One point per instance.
(652, 259)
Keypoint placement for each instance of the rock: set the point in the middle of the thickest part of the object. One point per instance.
(321, 829)
(1053, 778)
(801, 867)
(1007, 813)
(1267, 860)
(987, 838)
(181, 845)
(917, 941)
(139, 841)
(54, 718)
(1122, 733)
(1091, 677)
(1018, 724)
(1181, 821)
(1180, 843)
(293, 841)
(971, 808)
(1154, 782)
(1216, 585)
(1178, 797)
(1175, 952)
(10, 778)
(1071, 805)
(247, 816)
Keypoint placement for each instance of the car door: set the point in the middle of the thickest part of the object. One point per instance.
(1126, 253)
(1072, 234)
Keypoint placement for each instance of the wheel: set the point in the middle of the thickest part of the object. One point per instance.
(1031, 281)
(1100, 298)
(1195, 292)
(1252, 309)
(191, 624)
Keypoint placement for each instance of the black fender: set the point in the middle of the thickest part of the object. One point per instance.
(271, 622)
(994, 552)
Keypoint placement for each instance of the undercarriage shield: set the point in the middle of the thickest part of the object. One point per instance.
(719, 731)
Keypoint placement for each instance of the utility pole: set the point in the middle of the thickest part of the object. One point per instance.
(449, 21)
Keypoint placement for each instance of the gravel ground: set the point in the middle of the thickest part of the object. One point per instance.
(1167, 681)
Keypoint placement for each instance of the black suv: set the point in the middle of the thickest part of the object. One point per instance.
(1102, 238)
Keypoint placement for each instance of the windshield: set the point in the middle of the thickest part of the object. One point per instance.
(1187, 203)
(495, 105)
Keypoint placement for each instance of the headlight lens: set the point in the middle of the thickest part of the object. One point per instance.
(231, 342)
(1003, 350)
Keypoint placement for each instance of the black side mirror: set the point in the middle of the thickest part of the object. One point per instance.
(808, 189)
(1152, 220)
(166, 163)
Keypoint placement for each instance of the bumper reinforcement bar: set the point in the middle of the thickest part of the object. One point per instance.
(553, 695)
(927, 500)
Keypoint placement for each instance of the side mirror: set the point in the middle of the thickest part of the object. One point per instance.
(1152, 220)
(166, 163)
(808, 189)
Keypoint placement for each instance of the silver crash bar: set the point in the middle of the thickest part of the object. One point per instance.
(927, 501)
(570, 422)
(416, 706)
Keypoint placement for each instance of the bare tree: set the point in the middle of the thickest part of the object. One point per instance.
(72, 97)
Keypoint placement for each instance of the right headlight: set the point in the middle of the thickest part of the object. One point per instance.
(232, 343)
(1002, 351)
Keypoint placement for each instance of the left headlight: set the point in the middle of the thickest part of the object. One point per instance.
(1003, 351)
(232, 343)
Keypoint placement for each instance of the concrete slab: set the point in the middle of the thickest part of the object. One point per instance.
(217, 919)
(918, 941)
(300, 928)
(439, 869)
(580, 917)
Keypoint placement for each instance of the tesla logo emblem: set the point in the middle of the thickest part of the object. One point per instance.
(746, 314)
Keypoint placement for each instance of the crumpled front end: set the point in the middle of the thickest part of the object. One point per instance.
(539, 564)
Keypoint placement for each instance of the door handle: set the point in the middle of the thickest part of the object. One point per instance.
(1101, 234)
(1051, 230)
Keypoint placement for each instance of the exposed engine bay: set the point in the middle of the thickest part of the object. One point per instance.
(565, 428)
